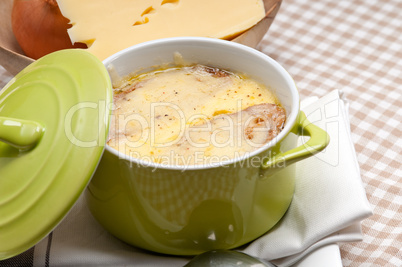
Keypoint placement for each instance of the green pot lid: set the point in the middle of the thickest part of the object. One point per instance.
(54, 118)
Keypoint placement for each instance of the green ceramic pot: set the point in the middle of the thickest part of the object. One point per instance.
(47, 112)
(191, 209)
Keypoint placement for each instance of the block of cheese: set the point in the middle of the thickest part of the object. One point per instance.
(109, 26)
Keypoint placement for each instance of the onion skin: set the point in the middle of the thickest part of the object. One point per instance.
(40, 28)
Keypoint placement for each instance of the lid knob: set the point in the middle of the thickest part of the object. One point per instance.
(22, 134)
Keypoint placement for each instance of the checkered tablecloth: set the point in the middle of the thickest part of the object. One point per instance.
(355, 46)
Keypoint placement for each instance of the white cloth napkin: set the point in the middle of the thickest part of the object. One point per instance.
(328, 205)
(329, 200)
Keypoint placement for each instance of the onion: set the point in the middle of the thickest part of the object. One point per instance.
(40, 28)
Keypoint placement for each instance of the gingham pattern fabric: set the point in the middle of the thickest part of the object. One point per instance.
(355, 46)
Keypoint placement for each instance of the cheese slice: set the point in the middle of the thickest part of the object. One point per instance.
(109, 26)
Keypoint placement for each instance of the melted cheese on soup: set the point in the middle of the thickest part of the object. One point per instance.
(193, 115)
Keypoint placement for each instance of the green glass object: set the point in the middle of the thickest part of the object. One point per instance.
(226, 258)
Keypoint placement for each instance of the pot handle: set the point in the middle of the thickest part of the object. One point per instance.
(21, 134)
(319, 140)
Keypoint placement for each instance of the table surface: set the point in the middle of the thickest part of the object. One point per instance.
(354, 46)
